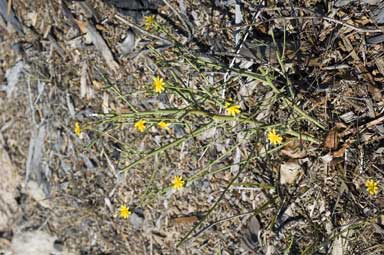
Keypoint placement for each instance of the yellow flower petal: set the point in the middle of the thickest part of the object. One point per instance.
(77, 129)
(149, 21)
(372, 187)
(158, 84)
(163, 125)
(274, 138)
(232, 110)
(140, 125)
(124, 212)
(178, 182)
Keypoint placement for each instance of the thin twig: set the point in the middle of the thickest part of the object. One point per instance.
(238, 48)
(184, 113)
(315, 16)
(372, 123)
(267, 81)
(186, 237)
(168, 146)
(127, 22)
(9, 7)
(188, 28)
(358, 29)
(256, 211)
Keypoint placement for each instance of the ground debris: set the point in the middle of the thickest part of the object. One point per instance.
(82, 76)
(35, 243)
(8, 186)
(13, 75)
(100, 44)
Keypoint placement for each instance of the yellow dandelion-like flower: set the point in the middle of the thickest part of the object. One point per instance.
(163, 125)
(140, 125)
(124, 212)
(274, 138)
(77, 129)
(372, 187)
(178, 182)
(158, 84)
(149, 21)
(232, 109)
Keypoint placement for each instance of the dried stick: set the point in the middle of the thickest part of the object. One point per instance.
(125, 21)
(314, 16)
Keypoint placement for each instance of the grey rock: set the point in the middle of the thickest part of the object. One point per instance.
(372, 2)
(342, 3)
(11, 18)
(13, 76)
(128, 44)
(135, 8)
(375, 39)
(251, 233)
(137, 218)
(378, 14)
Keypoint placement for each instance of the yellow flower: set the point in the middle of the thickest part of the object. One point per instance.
(273, 137)
(178, 182)
(77, 129)
(372, 187)
(158, 84)
(140, 125)
(163, 125)
(149, 21)
(232, 109)
(124, 212)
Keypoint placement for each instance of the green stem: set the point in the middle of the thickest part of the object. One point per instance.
(266, 80)
(184, 112)
(167, 146)
(186, 237)
(302, 136)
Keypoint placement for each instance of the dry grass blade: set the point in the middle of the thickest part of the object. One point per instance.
(332, 139)
(9, 7)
